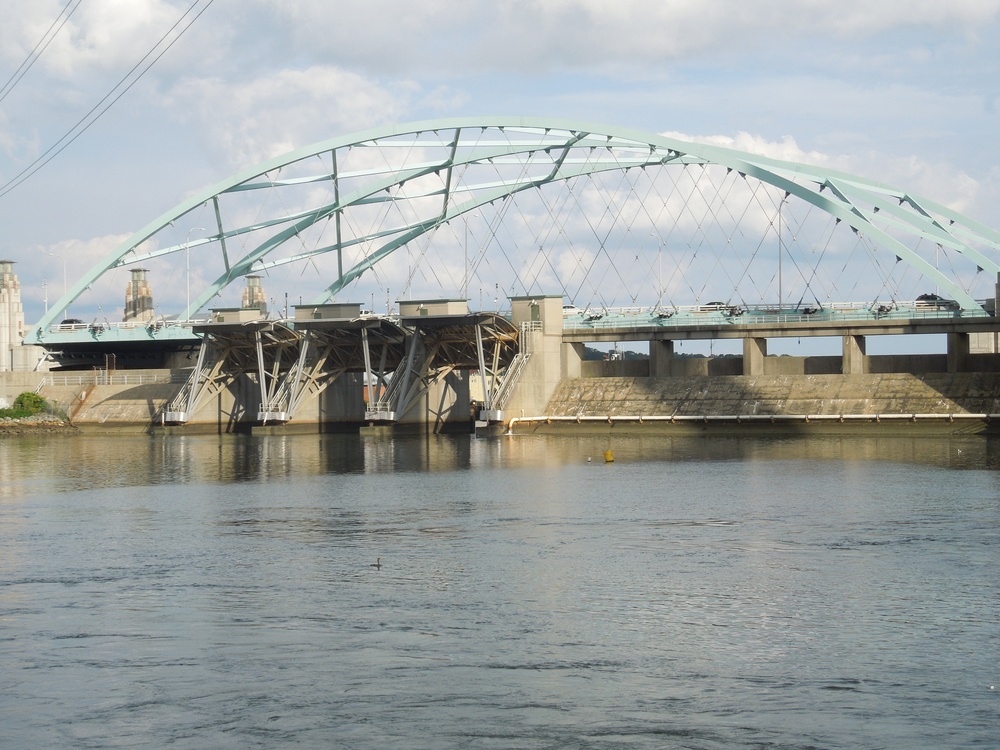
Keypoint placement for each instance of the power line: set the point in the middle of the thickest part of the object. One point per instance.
(35, 53)
(106, 102)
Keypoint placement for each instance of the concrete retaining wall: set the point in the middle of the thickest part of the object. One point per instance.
(136, 405)
(893, 393)
(619, 368)
(13, 384)
(131, 408)
(130, 404)
(785, 365)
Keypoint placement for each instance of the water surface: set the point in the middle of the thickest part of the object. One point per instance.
(696, 593)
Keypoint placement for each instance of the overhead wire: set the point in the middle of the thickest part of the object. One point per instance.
(36, 53)
(85, 122)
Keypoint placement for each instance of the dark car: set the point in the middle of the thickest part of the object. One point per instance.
(936, 300)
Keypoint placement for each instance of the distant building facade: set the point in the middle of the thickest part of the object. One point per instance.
(139, 297)
(254, 296)
(11, 315)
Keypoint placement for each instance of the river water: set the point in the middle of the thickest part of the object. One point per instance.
(220, 592)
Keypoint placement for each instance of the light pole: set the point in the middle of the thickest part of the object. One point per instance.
(780, 251)
(465, 266)
(659, 270)
(63, 259)
(187, 270)
(465, 263)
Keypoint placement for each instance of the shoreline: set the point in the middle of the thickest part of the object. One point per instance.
(35, 425)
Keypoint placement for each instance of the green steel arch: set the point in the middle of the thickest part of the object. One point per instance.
(531, 152)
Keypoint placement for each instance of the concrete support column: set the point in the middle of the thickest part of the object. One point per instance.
(754, 353)
(661, 359)
(958, 351)
(572, 360)
(996, 298)
(855, 360)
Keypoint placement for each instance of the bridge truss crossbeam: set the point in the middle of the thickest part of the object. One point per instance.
(400, 362)
(441, 345)
(343, 206)
(261, 351)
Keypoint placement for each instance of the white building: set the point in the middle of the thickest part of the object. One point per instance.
(11, 315)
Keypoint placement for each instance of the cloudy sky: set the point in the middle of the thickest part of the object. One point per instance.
(905, 92)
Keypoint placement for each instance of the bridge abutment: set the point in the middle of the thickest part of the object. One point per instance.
(540, 322)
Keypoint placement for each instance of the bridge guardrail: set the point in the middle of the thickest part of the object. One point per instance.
(744, 315)
(121, 325)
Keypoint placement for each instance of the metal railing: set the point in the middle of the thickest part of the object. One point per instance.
(510, 379)
(684, 316)
(108, 325)
(531, 325)
(104, 377)
(704, 419)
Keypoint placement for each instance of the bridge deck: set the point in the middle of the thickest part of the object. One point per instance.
(712, 321)
(724, 322)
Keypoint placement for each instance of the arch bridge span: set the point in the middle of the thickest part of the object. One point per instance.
(490, 208)
(643, 236)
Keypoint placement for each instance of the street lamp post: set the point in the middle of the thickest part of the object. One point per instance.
(465, 267)
(63, 259)
(780, 251)
(659, 270)
(187, 270)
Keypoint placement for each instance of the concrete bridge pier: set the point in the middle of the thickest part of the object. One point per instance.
(661, 358)
(754, 354)
(855, 359)
(958, 352)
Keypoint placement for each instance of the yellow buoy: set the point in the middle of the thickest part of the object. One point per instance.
(608, 456)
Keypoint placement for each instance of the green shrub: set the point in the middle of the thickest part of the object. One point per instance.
(25, 405)
(30, 402)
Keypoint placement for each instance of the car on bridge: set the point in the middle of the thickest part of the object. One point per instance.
(936, 302)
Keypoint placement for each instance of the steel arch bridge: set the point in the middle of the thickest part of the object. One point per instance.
(607, 205)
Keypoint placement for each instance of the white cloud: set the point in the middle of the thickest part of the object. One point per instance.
(61, 264)
(456, 36)
(101, 35)
(279, 112)
(901, 92)
(786, 148)
(590, 34)
(78, 255)
(937, 180)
